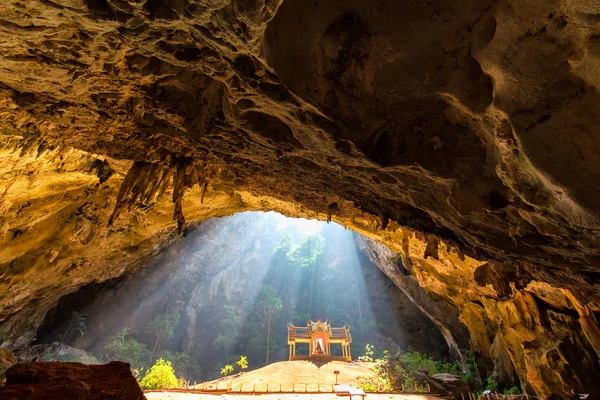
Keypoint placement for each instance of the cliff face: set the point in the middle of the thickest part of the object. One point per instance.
(451, 132)
(537, 336)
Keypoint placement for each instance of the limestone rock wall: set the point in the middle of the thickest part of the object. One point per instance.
(462, 133)
(534, 337)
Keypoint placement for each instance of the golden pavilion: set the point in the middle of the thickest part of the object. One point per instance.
(319, 336)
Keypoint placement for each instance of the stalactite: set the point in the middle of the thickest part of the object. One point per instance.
(186, 176)
(103, 170)
(332, 209)
(204, 188)
(144, 182)
(432, 247)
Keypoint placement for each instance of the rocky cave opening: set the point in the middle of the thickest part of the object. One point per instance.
(210, 291)
(459, 139)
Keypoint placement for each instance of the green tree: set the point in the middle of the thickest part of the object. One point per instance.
(307, 252)
(272, 304)
(231, 325)
(76, 324)
(160, 376)
(227, 370)
(242, 363)
(284, 246)
(129, 350)
(162, 328)
(184, 365)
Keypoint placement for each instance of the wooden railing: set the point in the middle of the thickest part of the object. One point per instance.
(263, 388)
(298, 333)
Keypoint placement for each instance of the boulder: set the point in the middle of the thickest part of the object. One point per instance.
(445, 385)
(66, 381)
(7, 359)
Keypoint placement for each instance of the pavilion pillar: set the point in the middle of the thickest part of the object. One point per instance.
(349, 352)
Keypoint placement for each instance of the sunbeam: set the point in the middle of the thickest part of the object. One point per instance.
(231, 287)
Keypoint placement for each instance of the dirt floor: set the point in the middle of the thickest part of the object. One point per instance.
(186, 396)
(288, 374)
(295, 374)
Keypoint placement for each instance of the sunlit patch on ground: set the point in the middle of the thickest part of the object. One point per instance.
(186, 396)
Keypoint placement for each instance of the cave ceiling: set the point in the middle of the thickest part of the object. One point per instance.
(475, 123)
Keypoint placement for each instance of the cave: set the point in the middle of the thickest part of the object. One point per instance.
(457, 142)
(214, 280)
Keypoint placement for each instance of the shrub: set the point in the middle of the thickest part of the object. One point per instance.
(368, 387)
(184, 365)
(227, 370)
(378, 378)
(160, 376)
(471, 376)
(368, 357)
(242, 363)
(512, 390)
(415, 361)
(491, 384)
(129, 350)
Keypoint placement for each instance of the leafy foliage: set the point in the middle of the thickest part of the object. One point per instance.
(368, 356)
(471, 376)
(128, 350)
(231, 324)
(307, 252)
(227, 370)
(512, 390)
(162, 328)
(392, 372)
(491, 384)
(76, 324)
(415, 361)
(272, 304)
(160, 376)
(163, 325)
(242, 363)
(184, 365)
(378, 378)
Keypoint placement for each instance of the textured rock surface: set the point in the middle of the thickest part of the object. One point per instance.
(444, 384)
(532, 336)
(474, 126)
(51, 380)
(7, 359)
(443, 117)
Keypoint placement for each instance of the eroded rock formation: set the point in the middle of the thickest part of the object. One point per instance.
(464, 136)
(50, 380)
